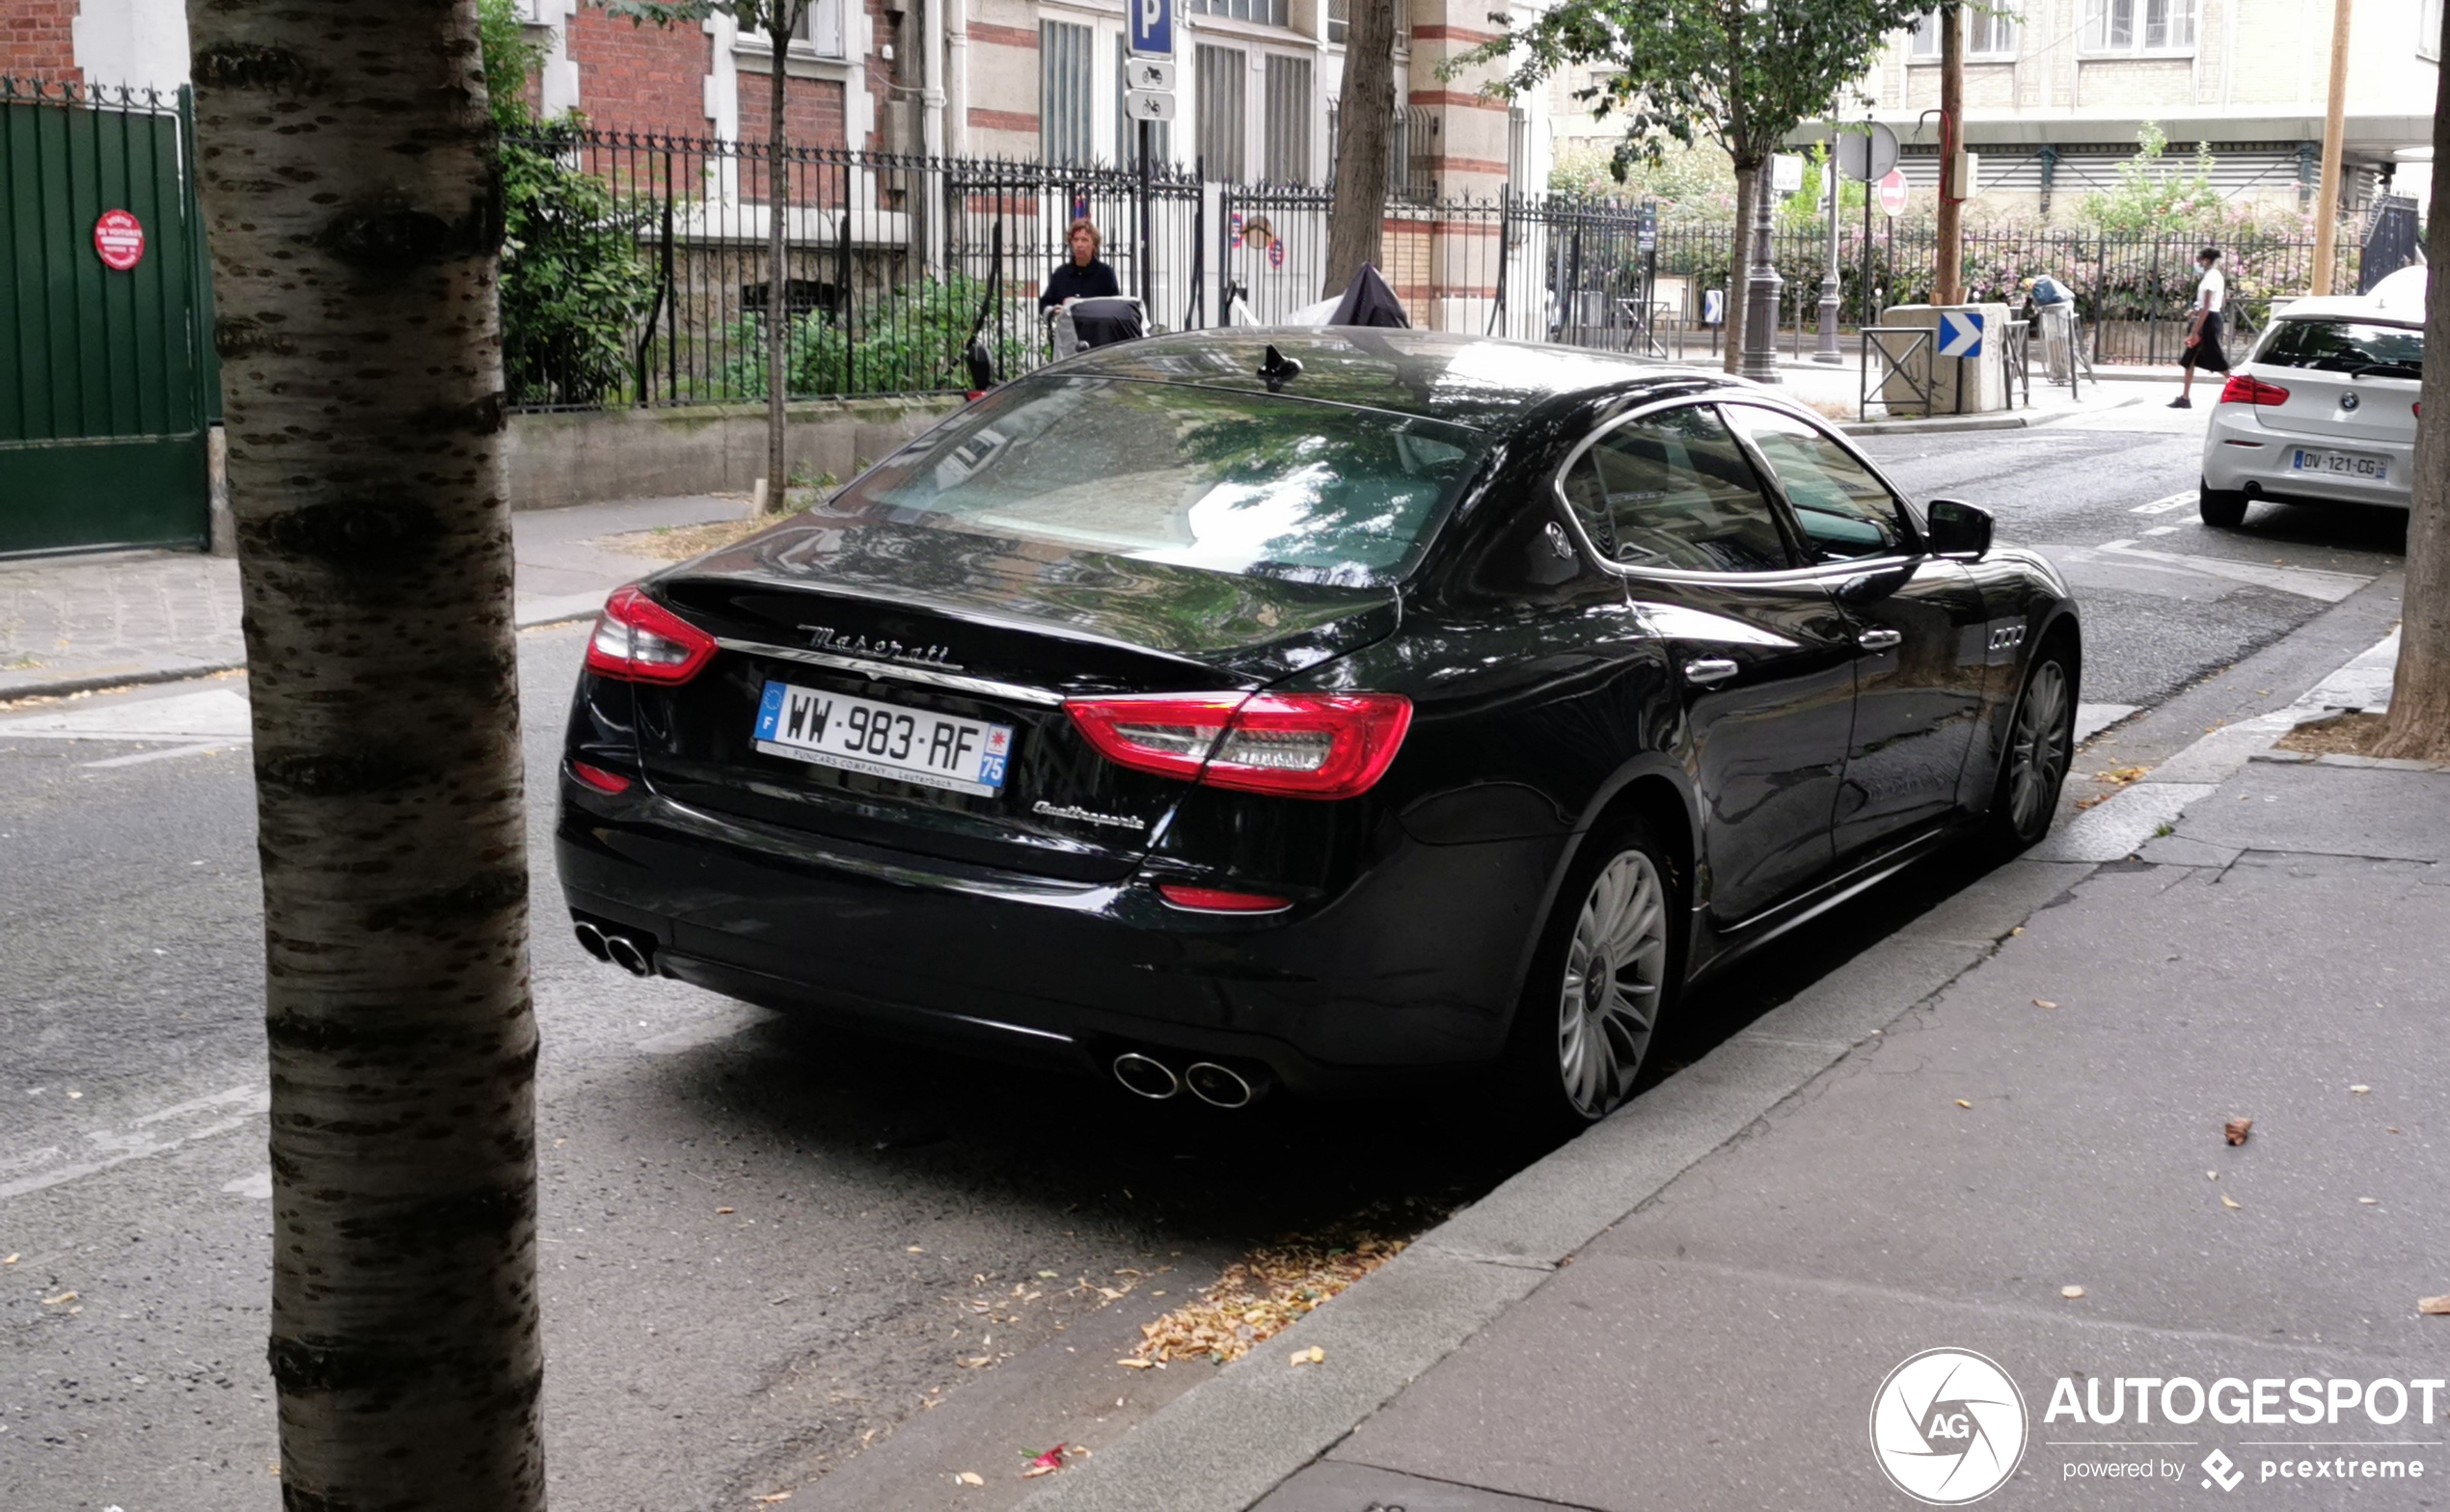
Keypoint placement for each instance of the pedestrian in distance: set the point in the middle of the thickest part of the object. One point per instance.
(2053, 304)
(2203, 327)
(1085, 276)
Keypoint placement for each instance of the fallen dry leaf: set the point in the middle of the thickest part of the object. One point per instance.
(1045, 1464)
(971, 1478)
(2121, 775)
(53, 1301)
(2227, 1200)
(2236, 1130)
(2043, 1002)
(2360, 1088)
(913, 1249)
(1313, 1355)
(769, 1500)
(2370, 1201)
(1262, 1295)
(2434, 1307)
(720, 1211)
(2084, 803)
(975, 1360)
(1135, 1364)
(2071, 1293)
(10, 1260)
(1962, 1103)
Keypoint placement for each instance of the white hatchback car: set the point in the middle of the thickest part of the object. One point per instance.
(2322, 412)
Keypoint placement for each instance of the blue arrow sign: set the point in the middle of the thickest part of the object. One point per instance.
(1152, 26)
(1960, 332)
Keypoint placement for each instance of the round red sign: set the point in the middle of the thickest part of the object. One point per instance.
(119, 238)
(1893, 192)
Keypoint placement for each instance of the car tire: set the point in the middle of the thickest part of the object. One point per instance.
(1607, 975)
(2041, 745)
(2222, 508)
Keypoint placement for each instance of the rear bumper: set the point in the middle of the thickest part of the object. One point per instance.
(1414, 969)
(2240, 455)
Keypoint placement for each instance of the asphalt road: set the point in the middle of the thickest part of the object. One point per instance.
(879, 1198)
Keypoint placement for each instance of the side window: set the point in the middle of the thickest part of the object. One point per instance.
(1845, 512)
(1674, 489)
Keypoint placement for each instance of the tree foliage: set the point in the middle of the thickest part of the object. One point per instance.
(2145, 197)
(575, 282)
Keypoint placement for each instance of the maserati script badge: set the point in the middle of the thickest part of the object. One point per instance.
(826, 638)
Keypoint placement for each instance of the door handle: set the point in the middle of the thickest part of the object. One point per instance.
(1878, 639)
(1712, 669)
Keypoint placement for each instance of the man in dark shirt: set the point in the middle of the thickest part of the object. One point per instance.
(1085, 277)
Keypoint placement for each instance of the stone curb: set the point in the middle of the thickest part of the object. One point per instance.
(2015, 420)
(560, 609)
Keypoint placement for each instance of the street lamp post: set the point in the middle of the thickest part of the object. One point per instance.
(1827, 351)
(1761, 301)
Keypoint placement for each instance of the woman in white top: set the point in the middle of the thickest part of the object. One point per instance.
(2203, 327)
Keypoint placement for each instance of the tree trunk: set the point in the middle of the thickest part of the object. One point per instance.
(353, 203)
(782, 19)
(1739, 262)
(1365, 120)
(1947, 280)
(2419, 724)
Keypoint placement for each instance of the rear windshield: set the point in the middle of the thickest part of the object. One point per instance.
(1232, 482)
(2346, 346)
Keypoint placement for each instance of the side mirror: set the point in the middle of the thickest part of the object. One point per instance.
(1959, 530)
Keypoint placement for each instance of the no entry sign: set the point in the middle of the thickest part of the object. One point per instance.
(119, 238)
(1893, 192)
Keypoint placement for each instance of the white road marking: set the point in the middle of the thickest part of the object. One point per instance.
(258, 1186)
(2163, 506)
(2311, 583)
(154, 1134)
(142, 757)
(2163, 529)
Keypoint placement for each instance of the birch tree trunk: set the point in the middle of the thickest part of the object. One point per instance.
(2419, 724)
(1365, 118)
(354, 208)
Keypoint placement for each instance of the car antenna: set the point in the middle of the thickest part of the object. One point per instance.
(1278, 368)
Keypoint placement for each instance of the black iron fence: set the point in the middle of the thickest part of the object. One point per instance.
(638, 271)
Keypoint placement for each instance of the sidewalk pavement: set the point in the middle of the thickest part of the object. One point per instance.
(2002, 1129)
(68, 624)
(1835, 391)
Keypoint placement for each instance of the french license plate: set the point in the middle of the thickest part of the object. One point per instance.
(2340, 464)
(936, 750)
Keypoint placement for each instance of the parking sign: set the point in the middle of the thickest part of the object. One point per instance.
(1153, 27)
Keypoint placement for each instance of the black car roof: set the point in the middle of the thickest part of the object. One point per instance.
(1464, 380)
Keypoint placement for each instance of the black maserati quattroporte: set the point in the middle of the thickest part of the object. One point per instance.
(1318, 707)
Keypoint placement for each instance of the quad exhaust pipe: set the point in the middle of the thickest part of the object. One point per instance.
(633, 954)
(1220, 1086)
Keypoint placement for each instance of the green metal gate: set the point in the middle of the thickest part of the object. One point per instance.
(107, 373)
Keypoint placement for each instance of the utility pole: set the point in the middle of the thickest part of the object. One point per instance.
(1947, 283)
(2326, 207)
(1826, 350)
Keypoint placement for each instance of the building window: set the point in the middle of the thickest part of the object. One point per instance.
(1986, 35)
(2429, 30)
(1126, 131)
(1287, 120)
(1066, 119)
(2116, 26)
(1224, 83)
(1275, 13)
(818, 31)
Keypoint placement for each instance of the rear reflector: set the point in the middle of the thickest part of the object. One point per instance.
(598, 779)
(1308, 746)
(2244, 390)
(639, 640)
(1219, 900)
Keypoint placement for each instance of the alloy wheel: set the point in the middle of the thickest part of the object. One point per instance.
(1615, 966)
(2037, 761)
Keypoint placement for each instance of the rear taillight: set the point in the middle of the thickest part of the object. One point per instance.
(639, 640)
(1306, 745)
(2242, 389)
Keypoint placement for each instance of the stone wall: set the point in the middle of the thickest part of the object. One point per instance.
(587, 456)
